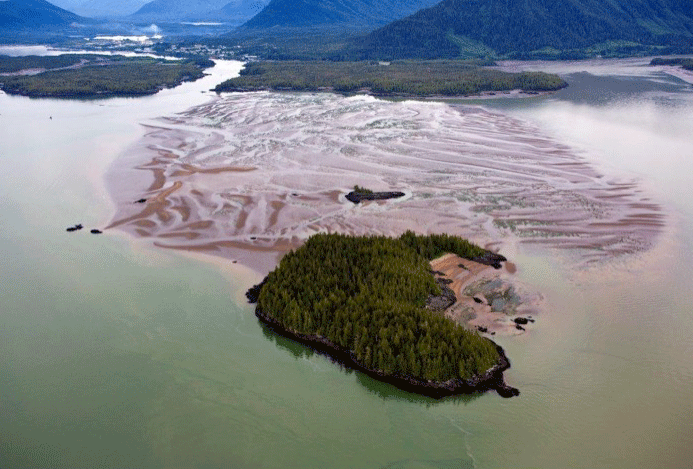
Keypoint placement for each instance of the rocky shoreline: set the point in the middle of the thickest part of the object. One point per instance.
(491, 379)
(490, 258)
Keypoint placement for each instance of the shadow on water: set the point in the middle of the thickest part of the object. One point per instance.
(299, 351)
(389, 392)
(383, 390)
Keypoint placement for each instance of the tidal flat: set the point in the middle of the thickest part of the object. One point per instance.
(251, 175)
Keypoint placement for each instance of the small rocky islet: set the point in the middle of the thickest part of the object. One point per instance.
(79, 226)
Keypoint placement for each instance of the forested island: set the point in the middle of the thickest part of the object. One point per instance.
(685, 63)
(95, 76)
(363, 301)
(400, 78)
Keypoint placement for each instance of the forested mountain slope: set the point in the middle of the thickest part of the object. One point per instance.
(237, 11)
(101, 8)
(17, 14)
(304, 13)
(171, 10)
(496, 27)
(242, 10)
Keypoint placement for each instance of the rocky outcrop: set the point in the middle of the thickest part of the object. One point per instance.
(443, 301)
(358, 196)
(490, 258)
(253, 293)
(499, 294)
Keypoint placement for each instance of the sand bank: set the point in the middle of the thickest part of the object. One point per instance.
(249, 176)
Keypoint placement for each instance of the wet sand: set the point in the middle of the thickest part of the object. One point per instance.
(249, 176)
(477, 285)
(678, 72)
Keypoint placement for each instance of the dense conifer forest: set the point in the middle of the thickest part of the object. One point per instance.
(532, 29)
(93, 76)
(685, 63)
(34, 62)
(420, 78)
(368, 294)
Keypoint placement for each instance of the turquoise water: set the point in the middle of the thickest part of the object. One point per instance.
(113, 354)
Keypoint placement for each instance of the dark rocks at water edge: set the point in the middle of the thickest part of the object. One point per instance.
(95, 231)
(253, 293)
(490, 258)
(491, 379)
(522, 321)
(357, 196)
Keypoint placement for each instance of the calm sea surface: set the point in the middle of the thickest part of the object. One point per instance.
(113, 354)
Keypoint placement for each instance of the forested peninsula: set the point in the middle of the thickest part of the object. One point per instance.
(363, 301)
(95, 76)
(401, 78)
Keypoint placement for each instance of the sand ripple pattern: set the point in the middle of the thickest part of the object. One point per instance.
(257, 173)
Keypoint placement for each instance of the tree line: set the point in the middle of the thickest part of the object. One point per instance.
(415, 78)
(101, 76)
(685, 63)
(367, 294)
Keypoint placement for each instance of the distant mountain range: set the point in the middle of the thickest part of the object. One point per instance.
(400, 29)
(243, 10)
(174, 10)
(237, 11)
(488, 28)
(23, 14)
(101, 8)
(308, 13)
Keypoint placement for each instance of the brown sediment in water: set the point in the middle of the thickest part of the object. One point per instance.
(250, 176)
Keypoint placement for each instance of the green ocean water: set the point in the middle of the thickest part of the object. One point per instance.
(113, 354)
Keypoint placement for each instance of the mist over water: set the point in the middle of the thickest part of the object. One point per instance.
(117, 354)
(647, 138)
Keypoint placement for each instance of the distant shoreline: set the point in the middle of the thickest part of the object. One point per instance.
(86, 77)
(401, 79)
(516, 93)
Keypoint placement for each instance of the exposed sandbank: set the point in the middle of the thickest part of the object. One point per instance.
(250, 176)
